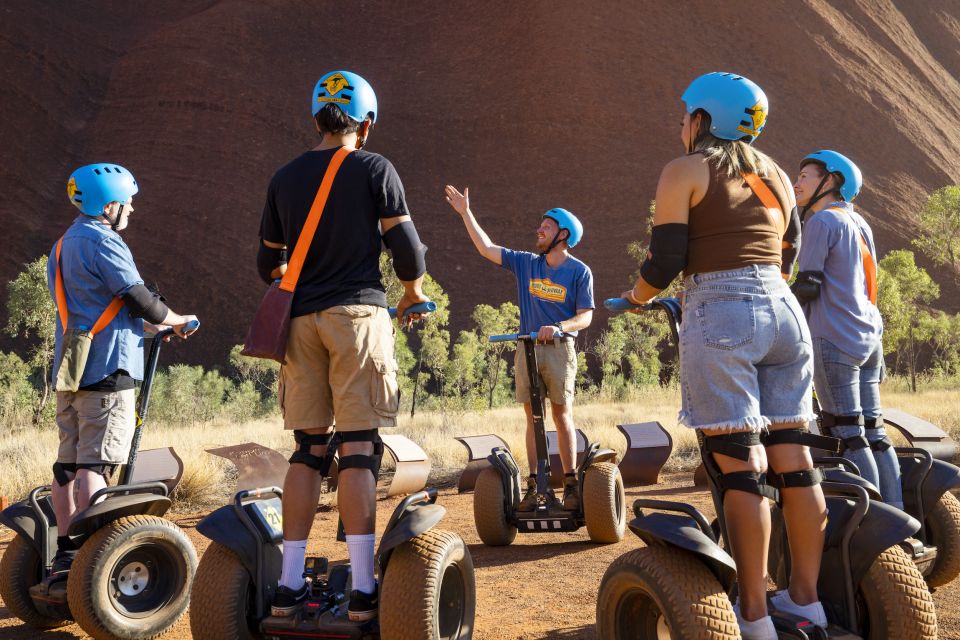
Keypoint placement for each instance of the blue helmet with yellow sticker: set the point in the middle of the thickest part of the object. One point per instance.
(94, 186)
(838, 163)
(347, 90)
(568, 221)
(738, 108)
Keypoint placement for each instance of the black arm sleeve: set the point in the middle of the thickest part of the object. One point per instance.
(404, 244)
(143, 303)
(269, 259)
(791, 243)
(668, 254)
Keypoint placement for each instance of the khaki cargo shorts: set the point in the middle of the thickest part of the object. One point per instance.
(96, 427)
(557, 362)
(340, 370)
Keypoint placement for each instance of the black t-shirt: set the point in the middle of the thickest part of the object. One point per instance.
(342, 265)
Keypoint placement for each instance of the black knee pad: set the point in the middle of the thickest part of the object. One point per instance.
(735, 445)
(795, 479)
(371, 462)
(302, 455)
(105, 470)
(828, 421)
(877, 445)
(64, 472)
(802, 437)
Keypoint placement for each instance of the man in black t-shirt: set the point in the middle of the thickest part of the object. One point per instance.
(340, 360)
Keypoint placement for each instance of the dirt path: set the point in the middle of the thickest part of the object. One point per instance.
(542, 587)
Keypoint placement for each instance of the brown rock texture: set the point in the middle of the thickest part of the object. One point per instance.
(533, 105)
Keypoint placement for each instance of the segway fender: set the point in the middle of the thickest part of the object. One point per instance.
(103, 513)
(604, 455)
(846, 477)
(21, 518)
(224, 527)
(882, 527)
(682, 532)
(416, 521)
(942, 477)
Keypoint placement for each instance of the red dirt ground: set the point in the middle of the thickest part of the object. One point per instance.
(543, 587)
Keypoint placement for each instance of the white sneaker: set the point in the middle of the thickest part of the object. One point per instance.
(814, 612)
(761, 629)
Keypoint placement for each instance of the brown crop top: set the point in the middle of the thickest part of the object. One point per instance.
(730, 228)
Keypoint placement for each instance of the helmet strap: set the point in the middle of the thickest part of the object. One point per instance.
(817, 197)
(116, 220)
(362, 134)
(556, 240)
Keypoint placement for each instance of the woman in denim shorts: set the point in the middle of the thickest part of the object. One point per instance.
(745, 350)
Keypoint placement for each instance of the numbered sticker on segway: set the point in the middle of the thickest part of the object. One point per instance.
(267, 514)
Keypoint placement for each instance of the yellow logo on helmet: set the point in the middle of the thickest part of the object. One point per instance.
(334, 85)
(758, 116)
(72, 191)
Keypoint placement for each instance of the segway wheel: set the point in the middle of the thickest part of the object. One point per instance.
(943, 530)
(20, 569)
(489, 510)
(604, 502)
(663, 592)
(896, 599)
(222, 593)
(132, 578)
(428, 590)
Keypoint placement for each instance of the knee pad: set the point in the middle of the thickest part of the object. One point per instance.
(795, 479)
(883, 443)
(735, 445)
(105, 470)
(64, 472)
(302, 455)
(853, 443)
(371, 462)
(800, 436)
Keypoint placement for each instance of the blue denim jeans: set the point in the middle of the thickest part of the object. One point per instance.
(746, 356)
(848, 386)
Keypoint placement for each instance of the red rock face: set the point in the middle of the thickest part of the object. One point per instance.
(533, 105)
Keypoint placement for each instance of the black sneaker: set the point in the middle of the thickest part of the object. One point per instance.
(54, 587)
(286, 601)
(571, 494)
(363, 606)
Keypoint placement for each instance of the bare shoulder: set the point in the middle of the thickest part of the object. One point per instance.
(694, 164)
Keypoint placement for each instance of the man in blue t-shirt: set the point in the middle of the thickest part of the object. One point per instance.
(555, 291)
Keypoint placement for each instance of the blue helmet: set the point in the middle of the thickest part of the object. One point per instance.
(839, 163)
(94, 186)
(347, 90)
(568, 221)
(738, 108)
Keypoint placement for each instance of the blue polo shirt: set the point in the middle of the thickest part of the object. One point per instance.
(546, 294)
(97, 266)
(842, 313)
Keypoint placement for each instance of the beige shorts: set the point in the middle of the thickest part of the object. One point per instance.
(96, 427)
(557, 362)
(340, 370)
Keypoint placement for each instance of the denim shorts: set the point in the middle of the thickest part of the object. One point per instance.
(746, 357)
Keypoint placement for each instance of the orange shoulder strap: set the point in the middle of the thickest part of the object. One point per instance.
(105, 318)
(295, 264)
(869, 267)
(769, 200)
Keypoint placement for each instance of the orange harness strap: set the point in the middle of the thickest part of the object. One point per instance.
(869, 267)
(105, 318)
(295, 264)
(777, 215)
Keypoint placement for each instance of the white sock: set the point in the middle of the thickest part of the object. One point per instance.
(360, 548)
(761, 629)
(813, 612)
(294, 554)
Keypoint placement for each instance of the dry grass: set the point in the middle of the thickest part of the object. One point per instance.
(208, 481)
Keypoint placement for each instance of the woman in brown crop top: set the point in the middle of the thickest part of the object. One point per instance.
(746, 359)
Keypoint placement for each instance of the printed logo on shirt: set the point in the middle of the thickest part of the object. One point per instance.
(757, 117)
(334, 85)
(548, 290)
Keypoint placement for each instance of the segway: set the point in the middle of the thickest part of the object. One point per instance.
(497, 491)
(682, 583)
(427, 589)
(131, 577)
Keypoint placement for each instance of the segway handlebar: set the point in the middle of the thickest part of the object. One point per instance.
(514, 337)
(421, 307)
(671, 306)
